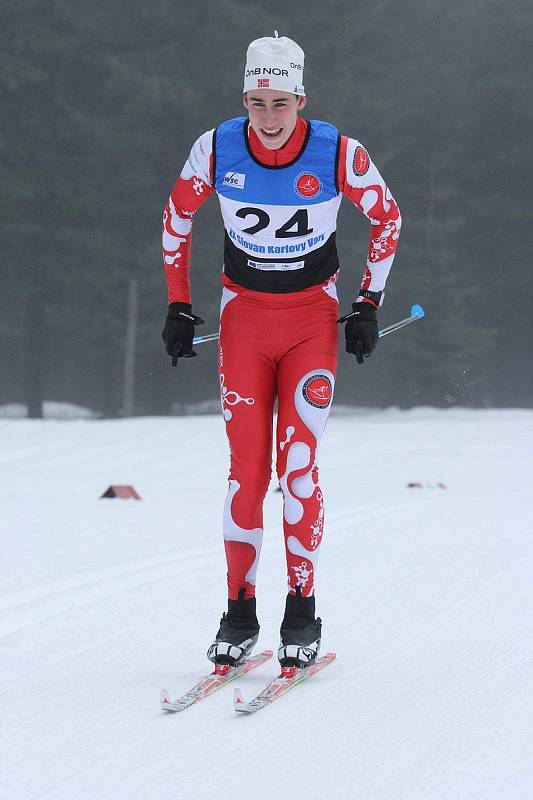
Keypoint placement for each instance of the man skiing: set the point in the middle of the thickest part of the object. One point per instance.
(280, 179)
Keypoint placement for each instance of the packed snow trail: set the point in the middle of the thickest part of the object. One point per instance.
(425, 596)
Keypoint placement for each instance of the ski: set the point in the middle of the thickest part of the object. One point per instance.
(222, 674)
(289, 677)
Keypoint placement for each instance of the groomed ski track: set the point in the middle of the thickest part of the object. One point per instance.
(425, 595)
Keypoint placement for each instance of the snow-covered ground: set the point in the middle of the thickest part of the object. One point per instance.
(51, 410)
(426, 596)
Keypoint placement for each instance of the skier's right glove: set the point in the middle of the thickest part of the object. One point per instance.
(178, 332)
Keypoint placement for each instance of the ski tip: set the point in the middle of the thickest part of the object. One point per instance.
(165, 699)
(239, 703)
(417, 311)
(238, 699)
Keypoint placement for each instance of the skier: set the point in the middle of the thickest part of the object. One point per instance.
(280, 179)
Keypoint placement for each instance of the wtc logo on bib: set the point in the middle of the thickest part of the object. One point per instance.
(307, 185)
(317, 391)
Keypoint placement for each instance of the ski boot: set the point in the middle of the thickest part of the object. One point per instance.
(238, 633)
(300, 632)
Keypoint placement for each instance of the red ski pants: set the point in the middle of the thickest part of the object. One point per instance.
(284, 347)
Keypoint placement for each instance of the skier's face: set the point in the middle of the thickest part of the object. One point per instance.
(273, 115)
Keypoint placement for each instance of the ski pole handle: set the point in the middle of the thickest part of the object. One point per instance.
(417, 312)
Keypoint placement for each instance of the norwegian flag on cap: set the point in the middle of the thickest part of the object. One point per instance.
(262, 83)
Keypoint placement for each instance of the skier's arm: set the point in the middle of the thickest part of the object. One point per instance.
(190, 191)
(360, 181)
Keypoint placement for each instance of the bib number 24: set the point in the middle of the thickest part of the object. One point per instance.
(299, 222)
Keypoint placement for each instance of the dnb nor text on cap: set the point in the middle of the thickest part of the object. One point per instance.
(274, 62)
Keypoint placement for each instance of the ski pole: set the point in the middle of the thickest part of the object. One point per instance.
(210, 337)
(417, 312)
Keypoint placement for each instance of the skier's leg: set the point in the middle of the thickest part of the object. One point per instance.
(306, 377)
(248, 388)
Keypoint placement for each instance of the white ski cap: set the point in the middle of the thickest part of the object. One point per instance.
(274, 62)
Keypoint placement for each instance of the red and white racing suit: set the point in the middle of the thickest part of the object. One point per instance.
(280, 345)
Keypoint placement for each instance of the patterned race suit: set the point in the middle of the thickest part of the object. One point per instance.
(278, 336)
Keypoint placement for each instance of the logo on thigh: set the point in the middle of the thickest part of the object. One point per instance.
(317, 391)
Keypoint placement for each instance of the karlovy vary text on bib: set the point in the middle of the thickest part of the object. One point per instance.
(277, 249)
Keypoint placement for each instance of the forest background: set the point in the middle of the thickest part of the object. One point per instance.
(101, 103)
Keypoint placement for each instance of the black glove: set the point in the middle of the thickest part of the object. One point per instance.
(361, 331)
(178, 332)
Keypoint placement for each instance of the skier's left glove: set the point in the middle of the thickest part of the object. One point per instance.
(178, 332)
(361, 331)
